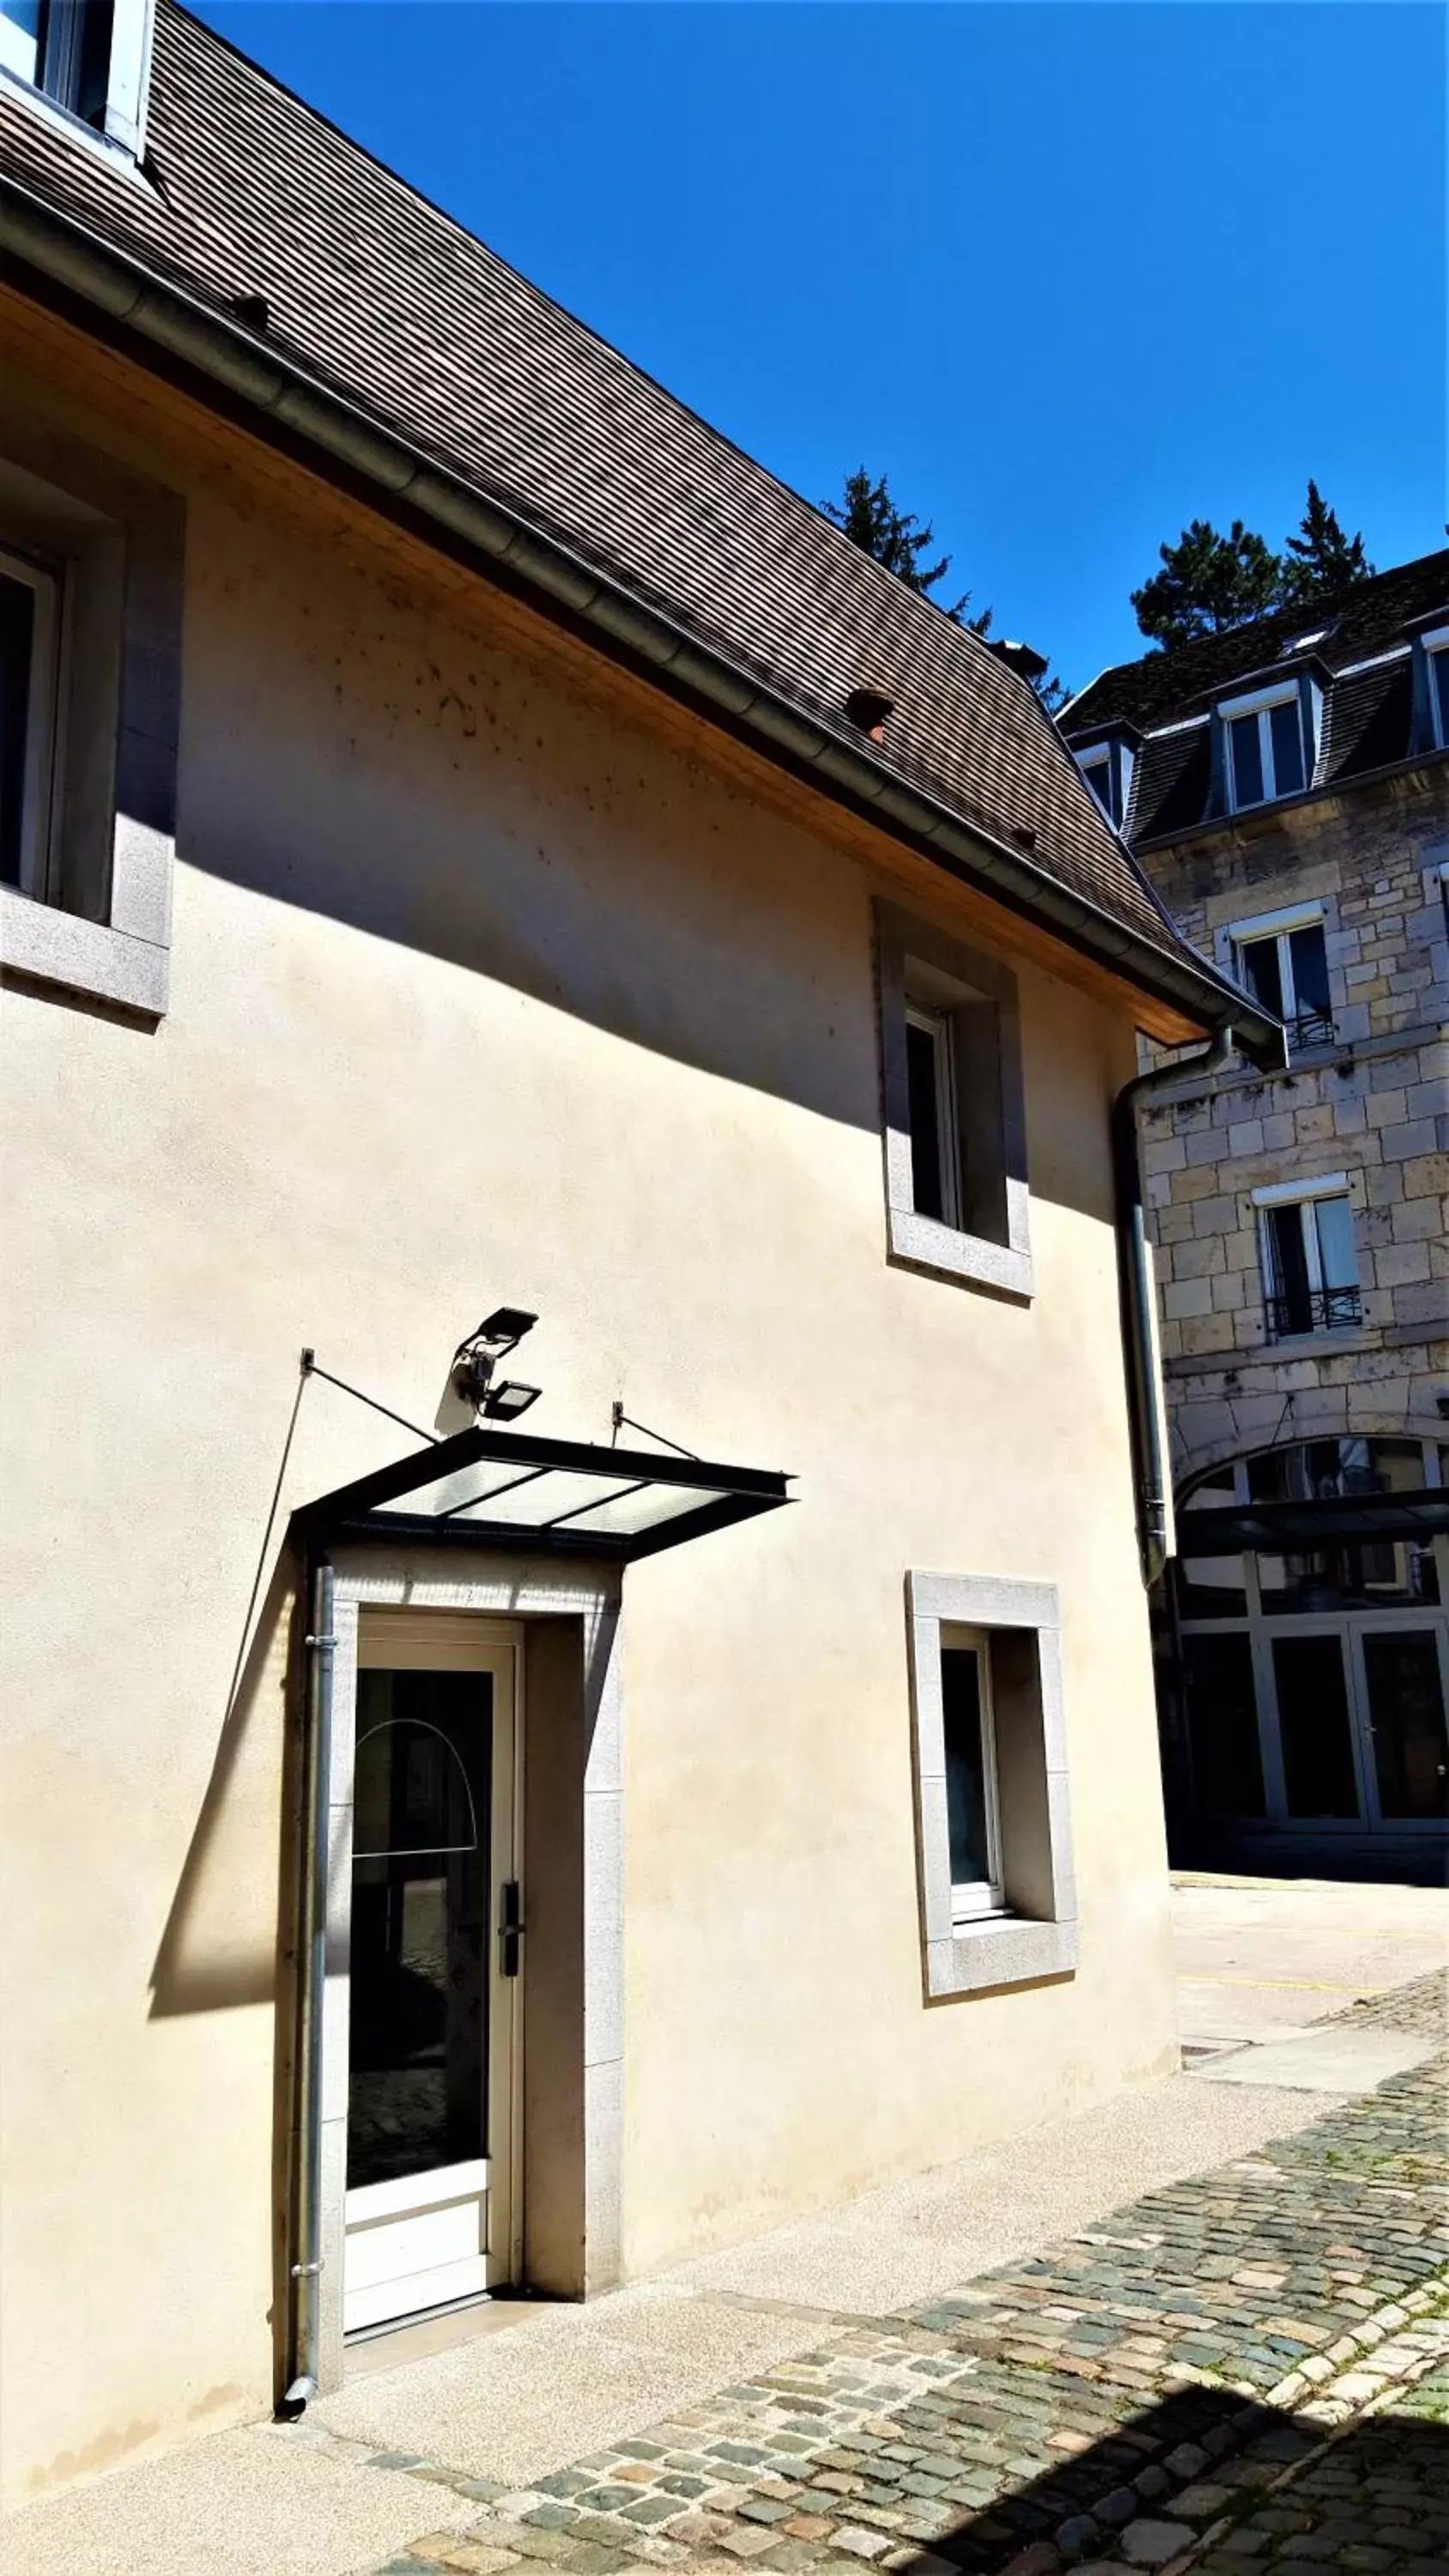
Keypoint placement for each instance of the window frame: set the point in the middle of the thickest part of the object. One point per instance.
(1115, 757)
(1261, 703)
(43, 729)
(1099, 758)
(119, 52)
(1435, 648)
(1304, 1195)
(921, 971)
(95, 919)
(975, 1900)
(1279, 926)
(1033, 1935)
(937, 1025)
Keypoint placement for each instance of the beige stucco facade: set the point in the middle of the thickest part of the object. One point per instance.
(487, 985)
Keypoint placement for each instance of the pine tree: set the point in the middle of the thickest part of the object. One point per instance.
(1208, 583)
(1321, 559)
(898, 539)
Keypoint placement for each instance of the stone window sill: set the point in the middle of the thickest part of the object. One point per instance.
(921, 1243)
(997, 1952)
(89, 958)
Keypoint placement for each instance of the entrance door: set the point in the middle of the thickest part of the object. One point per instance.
(1404, 1697)
(431, 2094)
(1316, 1731)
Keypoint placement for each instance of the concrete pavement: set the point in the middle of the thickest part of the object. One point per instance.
(1262, 1959)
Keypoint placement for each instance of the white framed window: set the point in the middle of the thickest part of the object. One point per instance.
(934, 1116)
(1107, 769)
(955, 1146)
(973, 1804)
(1263, 735)
(30, 626)
(993, 1813)
(89, 58)
(1436, 664)
(1309, 1263)
(1283, 960)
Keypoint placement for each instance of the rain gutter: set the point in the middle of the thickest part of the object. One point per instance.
(267, 387)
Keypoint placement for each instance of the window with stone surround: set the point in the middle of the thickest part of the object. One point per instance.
(998, 1904)
(1310, 1267)
(1282, 958)
(955, 1151)
(90, 673)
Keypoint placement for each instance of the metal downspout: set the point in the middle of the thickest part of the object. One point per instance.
(305, 2233)
(1139, 1301)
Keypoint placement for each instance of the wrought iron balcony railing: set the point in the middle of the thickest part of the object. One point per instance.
(1312, 1310)
(1310, 1029)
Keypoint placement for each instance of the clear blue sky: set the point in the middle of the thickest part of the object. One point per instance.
(1070, 274)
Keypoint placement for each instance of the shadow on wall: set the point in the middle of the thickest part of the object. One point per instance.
(209, 1958)
(430, 790)
(1254, 2484)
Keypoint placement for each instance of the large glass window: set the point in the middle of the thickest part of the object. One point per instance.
(1209, 1587)
(1287, 971)
(1314, 1728)
(1222, 1724)
(1330, 1652)
(1405, 1685)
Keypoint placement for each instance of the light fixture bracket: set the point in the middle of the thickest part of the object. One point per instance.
(476, 1359)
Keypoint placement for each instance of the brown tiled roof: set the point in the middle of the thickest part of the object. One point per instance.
(1164, 688)
(381, 298)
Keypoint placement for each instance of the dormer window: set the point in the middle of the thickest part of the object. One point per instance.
(1107, 769)
(1264, 747)
(1436, 663)
(1096, 768)
(86, 56)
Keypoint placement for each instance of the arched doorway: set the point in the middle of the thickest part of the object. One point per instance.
(1311, 1659)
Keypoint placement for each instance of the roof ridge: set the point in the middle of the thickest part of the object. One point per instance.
(1293, 612)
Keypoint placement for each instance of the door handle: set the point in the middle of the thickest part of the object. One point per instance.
(510, 1926)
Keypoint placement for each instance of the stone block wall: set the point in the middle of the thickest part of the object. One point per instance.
(1373, 1105)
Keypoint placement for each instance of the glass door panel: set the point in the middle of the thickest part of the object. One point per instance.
(432, 2010)
(1222, 1724)
(1314, 1727)
(1405, 1687)
(420, 1919)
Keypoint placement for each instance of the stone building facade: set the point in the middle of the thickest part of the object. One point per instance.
(1300, 1222)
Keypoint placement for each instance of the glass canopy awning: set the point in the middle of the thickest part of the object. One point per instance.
(507, 1489)
(1324, 1522)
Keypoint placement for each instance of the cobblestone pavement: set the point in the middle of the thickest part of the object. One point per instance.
(1421, 2007)
(1156, 2392)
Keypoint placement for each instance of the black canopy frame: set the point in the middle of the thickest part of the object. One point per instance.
(668, 1499)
